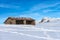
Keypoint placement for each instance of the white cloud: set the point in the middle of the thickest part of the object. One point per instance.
(30, 15)
(8, 6)
(43, 6)
(33, 12)
(45, 11)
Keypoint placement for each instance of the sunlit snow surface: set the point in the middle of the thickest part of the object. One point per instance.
(42, 31)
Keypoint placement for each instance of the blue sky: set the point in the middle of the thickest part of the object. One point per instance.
(36, 9)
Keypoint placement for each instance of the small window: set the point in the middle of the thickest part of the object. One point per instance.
(29, 22)
(19, 21)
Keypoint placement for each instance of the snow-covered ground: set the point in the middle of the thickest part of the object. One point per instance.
(41, 31)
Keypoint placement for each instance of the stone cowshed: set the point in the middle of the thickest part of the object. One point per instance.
(20, 20)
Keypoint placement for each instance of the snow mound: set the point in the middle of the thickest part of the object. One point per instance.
(50, 20)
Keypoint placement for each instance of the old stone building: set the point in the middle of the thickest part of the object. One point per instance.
(22, 20)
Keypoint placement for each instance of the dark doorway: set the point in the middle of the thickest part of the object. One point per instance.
(29, 22)
(19, 21)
